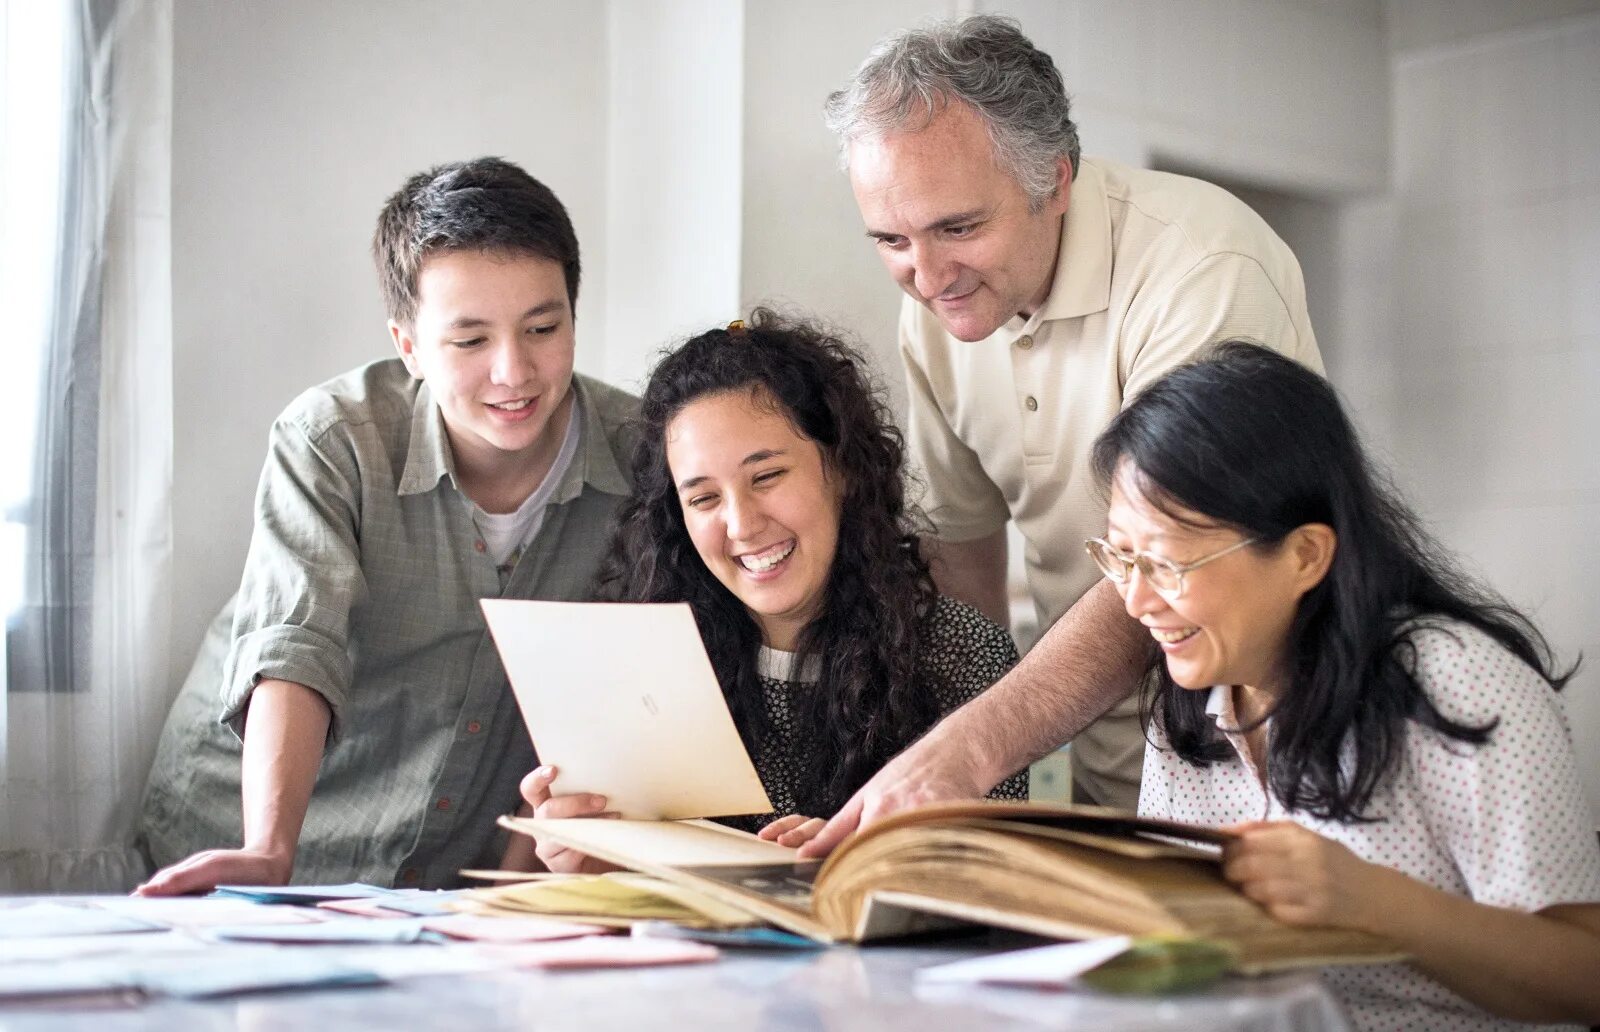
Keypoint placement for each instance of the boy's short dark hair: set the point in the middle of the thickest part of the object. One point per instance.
(487, 204)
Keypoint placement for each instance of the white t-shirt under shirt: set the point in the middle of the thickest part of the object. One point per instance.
(1504, 823)
(505, 533)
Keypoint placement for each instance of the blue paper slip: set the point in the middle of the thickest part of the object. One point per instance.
(302, 894)
(259, 971)
(352, 930)
(48, 920)
(425, 904)
(736, 938)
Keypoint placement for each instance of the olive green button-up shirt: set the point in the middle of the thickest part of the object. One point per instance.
(362, 583)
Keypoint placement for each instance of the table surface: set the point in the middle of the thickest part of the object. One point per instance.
(839, 988)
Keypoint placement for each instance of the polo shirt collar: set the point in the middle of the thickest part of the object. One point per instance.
(1082, 282)
(428, 455)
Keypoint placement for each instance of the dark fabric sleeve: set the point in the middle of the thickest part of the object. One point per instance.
(965, 652)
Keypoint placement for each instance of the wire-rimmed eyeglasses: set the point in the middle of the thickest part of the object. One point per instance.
(1163, 575)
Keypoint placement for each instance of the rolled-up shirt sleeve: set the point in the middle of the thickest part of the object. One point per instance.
(303, 574)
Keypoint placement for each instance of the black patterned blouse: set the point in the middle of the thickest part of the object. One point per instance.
(963, 653)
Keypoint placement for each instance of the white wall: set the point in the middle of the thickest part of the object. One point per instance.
(803, 242)
(686, 138)
(1294, 95)
(674, 178)
(293, 120)
(1496, 331)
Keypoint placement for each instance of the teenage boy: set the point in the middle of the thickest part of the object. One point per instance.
(364, 718)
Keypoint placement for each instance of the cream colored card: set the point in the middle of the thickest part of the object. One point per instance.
(622, 698)
(665, 843)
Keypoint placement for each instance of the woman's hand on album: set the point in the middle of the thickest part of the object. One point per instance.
(794, 830)
(556, 857)
(1302, 878)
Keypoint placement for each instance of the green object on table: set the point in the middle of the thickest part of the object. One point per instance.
(1162, 964)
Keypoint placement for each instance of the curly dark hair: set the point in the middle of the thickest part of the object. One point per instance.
(879, 592)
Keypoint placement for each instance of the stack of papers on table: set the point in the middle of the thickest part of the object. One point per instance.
(49, 920)
(616, 900)
(226, 945)
(302, 895)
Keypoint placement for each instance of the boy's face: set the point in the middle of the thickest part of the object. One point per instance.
(493, 340)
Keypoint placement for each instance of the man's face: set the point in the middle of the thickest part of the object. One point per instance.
(493, 339)
(953, 229)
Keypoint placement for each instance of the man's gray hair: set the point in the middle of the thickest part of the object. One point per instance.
(983, 61)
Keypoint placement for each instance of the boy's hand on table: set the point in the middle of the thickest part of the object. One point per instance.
(205, 871)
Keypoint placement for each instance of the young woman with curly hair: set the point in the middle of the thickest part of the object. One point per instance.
(769, 494)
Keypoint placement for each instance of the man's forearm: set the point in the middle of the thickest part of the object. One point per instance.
(286, 729)
(1088, 661)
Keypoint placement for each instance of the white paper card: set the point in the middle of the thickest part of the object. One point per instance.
(622, 699)
(1043, 966)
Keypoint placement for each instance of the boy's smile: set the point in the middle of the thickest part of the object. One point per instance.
(493, 339)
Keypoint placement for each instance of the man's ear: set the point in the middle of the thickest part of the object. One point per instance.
(1311, 549)
(1063, 194)
(407, 348)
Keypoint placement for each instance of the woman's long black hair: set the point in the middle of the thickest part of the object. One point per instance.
(1248, 439)
(879, 591)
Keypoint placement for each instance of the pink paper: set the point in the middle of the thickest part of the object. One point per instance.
(508, 929)
(362, 908)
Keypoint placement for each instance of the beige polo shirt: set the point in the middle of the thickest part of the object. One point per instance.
(1152, 268)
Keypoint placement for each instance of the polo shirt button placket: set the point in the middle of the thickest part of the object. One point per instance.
(1031, 403)
(1025, 342)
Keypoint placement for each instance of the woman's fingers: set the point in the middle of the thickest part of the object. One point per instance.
(536, 785)
(580, 804)
(803, 834)
(783, 824)
(794, 830)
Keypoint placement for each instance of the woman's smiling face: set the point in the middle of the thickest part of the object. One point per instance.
(1231, 623)
(760, 506)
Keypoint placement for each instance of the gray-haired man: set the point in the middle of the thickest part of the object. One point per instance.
(1045, 290)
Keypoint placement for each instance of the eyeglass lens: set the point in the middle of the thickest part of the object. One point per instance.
(1157, 574)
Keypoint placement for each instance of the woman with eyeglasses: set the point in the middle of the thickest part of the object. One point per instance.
(769, 494)
(1383, 733)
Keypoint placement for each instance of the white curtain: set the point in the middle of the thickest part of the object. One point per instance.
(77, 736)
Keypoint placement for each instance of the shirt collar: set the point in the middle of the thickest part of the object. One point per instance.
(1219, 707)
(1081, 283)
(428, 455)
(596, 463)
